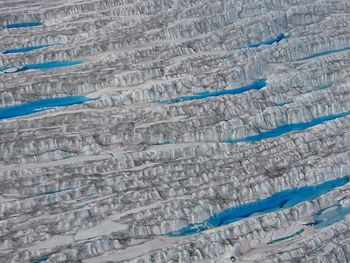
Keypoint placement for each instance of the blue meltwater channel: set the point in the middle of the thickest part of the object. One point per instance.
(22, 49)
(257, 85)
(24, 24)
(275, 202)
(40, 66)
(272, 41)
(278, 131)
(327, 52)
(40, 105)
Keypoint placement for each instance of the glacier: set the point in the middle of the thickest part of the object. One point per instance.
(174, 131)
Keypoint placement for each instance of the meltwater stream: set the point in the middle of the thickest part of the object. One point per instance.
(296, 234)
(327, 52)
(40, 105)
(258, 84)
(22, 49)
(24, 24)
(40, 66)
(277, 39)
(278, 131)
(275, 202)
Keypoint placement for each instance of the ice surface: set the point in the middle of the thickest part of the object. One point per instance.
(141, 139)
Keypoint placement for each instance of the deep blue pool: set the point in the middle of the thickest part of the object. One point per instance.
(40, 105)
(324, 53)
(18, 25)
(277, 39)
(23, 49)
(259, 84)
(40, 66)
(275, 202)
(278, 131)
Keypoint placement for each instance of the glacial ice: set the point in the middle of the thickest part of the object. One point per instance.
(105, 180)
